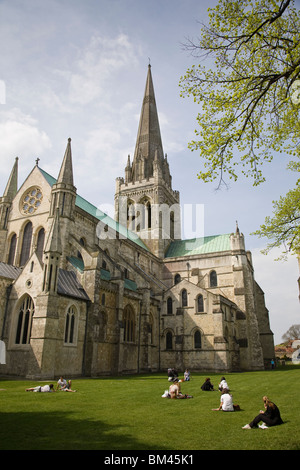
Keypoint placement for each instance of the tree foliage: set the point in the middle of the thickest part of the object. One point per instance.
(250, 96)
(283, 228)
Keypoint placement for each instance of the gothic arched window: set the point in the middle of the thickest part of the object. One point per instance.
(169, 340)
(200, 303)
(197, 340)
(131, 215)
(151, 328)
(26, 243)
(169, 306)
(70, 325)
(213, 280)
(148, 207)
(40, 244)
(12, 249)
(26, 313)
(129, 325)
(177, 278)
(184, 298)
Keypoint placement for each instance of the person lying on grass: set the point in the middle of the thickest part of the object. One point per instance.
(44, 388)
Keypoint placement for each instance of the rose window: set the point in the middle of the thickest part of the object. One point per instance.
(31, 200)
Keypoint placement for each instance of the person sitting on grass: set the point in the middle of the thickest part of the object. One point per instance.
(64, 386)
(207, 386)
(174, 389)
(45, 388)
(175, 392)
(223, 384)
(270, 417)
(226, 401)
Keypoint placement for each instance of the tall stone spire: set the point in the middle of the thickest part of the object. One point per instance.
(147, 186)
(148, 141)
(12, 184)
(66, 170)
(7, 198)
(64, 191)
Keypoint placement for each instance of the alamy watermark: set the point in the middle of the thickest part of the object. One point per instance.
(155, 221)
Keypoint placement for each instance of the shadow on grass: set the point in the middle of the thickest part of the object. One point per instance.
(60, 431)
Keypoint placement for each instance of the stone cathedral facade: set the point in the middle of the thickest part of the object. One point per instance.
(82, 294)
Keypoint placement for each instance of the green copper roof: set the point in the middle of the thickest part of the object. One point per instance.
(98, 214)
(76, 262)
(105, 275)
(197, 246)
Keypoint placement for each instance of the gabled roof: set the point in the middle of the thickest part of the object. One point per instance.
(98, 214)
(9, 271)
(197, 246)
(68, 285)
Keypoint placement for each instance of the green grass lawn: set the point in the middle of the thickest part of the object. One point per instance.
(128, 413)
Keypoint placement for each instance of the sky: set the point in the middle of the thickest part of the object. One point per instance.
(77, 68)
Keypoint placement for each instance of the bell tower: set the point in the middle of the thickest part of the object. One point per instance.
(144, 200)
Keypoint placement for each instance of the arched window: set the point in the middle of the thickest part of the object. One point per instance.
(151, 326)
(184, 298)
(26, 313)
(172, 226)
(169, 306)
(197, 340)
(129, 325)
(200, 303)
(40, 244)
(12, 249)
(103, 299)
(131, 215)
(213, 280)
(148, 206)
(70, 325)
(169, 340)
(177, 278)
(26, 243)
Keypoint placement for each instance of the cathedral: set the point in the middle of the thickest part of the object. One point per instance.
(85, 294)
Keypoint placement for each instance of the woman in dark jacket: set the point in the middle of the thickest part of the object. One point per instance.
(271, 417)
(207, 386)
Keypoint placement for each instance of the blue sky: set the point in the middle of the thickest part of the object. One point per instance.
(74, 68)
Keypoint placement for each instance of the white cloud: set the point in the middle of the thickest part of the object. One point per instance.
(20, 136)
(102, 59)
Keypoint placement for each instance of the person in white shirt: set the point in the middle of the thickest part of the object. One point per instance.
(223, 384)
(226, 402)
(44, 388)
(64, 385)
